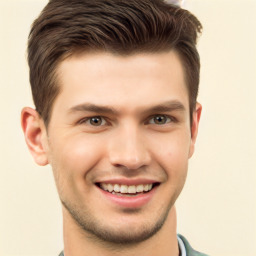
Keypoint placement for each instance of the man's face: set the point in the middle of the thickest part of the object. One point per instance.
(120, 125)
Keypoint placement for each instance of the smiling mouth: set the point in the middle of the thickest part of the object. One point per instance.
(127, 190)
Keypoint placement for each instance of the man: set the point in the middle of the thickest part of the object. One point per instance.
(115, 85)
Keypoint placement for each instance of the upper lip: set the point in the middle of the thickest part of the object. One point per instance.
(130, 182)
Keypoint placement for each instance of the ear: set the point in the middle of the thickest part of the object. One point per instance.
(35, 135)
(194, 127)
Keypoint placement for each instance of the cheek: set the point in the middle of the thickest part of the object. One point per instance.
(172, 151)
(175, 142)
(73, 158)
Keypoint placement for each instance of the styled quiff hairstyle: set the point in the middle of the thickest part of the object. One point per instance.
(124, 27)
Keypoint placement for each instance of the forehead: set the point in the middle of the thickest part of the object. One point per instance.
(134, 80)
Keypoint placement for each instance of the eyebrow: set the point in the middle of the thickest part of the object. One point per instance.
(93, 108)
(168, 106)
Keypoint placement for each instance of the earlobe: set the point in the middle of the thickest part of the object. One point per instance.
(35, 135)
(194, 128)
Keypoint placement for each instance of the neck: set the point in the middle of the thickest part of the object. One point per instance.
(78, 243)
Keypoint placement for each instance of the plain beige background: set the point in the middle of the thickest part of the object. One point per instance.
(217, 208)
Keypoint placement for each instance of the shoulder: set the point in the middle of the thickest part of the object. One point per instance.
(189, 250)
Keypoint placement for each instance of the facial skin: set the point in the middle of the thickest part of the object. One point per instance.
(117, 120)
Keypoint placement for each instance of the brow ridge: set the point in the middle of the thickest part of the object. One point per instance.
(173, 105)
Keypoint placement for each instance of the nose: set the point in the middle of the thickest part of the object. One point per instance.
(128, 149)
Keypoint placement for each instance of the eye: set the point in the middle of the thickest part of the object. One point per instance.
(160, 120)
(94, 121)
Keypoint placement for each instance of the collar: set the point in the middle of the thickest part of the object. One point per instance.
(182, 248)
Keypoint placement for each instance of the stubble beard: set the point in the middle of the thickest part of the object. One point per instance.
(98, 231)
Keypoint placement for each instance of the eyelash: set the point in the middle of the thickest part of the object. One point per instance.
(169, 119)
(88, 119)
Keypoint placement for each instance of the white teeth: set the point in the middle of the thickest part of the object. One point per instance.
(131, 189)
(139, 188)
(104, 186)
(116, 188)
(110, 187)
(125, 189)
(145, 187)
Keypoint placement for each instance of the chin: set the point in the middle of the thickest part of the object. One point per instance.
(125, 231)
(129, 234)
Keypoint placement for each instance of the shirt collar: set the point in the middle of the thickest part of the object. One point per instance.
(181, 247)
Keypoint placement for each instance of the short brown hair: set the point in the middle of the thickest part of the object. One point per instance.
(65, 27)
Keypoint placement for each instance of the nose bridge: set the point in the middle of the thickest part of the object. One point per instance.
(128, 148)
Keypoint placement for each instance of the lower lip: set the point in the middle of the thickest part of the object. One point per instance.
(130, 201)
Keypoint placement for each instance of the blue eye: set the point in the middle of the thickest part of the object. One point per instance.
(160, 120)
